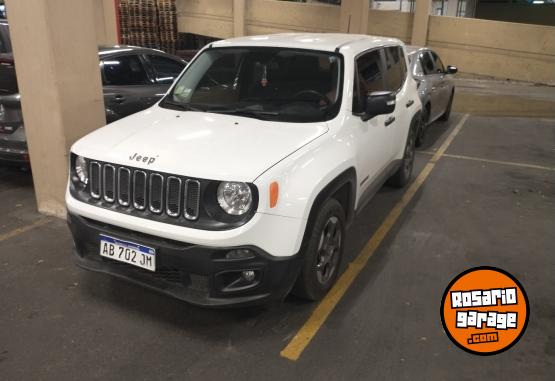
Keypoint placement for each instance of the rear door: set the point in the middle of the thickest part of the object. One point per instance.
(127, 86)
(434, 79)
(442, 86)
(395, 76)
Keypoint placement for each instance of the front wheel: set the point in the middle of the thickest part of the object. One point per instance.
(447, 112)
(403, 174)
(323, 252)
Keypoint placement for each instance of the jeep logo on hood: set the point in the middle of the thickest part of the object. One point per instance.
(145, 159)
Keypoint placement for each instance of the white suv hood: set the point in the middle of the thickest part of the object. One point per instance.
(197, 144)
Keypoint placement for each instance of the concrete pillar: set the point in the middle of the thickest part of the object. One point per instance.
(106, 22)
(239, 25)
(354, 16)
(452, 8)
(56, 55)
(420, 22)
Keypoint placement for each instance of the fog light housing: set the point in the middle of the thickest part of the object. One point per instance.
(239, 254)
(237, 280)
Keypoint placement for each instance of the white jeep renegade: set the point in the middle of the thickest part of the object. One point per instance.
(237, 186)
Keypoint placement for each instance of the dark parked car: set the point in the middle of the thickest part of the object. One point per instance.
(435, 87)
(133, 79)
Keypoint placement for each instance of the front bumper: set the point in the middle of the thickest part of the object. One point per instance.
(197, 274)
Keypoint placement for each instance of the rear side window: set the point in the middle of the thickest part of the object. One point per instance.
(166, 69)
(438, 65)
(124, 71)
(427, 63)
(396, 70)
(369, 78)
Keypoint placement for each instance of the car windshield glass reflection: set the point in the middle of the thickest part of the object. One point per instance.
(266, 83)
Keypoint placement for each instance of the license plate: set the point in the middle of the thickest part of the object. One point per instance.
(128, 252)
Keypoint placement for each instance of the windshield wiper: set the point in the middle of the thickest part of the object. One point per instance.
(182, 106)
(260, 114)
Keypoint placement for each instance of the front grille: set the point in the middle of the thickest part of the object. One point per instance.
(135, 189)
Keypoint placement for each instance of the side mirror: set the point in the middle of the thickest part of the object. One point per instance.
(379, 103)
(451, 69)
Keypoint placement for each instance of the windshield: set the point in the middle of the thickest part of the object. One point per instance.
(281, 84)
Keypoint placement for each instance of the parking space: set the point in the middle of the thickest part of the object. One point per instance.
(489, 200)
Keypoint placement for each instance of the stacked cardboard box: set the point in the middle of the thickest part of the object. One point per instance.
(149, 23)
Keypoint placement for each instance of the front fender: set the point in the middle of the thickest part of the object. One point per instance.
(303, 175)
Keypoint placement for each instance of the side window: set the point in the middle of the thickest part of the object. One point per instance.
(427, 63)
(396, 70)
(369, 78)
(166, 69)
(416, 65)
(438, 65)
(124, 71)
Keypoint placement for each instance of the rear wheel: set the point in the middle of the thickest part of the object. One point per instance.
(447, 112)
(423, 126)
(323, 252)
(403, 174)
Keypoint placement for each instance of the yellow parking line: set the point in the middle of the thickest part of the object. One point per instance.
(23, 229)
(502, 162)
(300, 341)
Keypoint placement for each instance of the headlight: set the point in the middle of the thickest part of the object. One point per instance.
(234, 198)
(81, 169)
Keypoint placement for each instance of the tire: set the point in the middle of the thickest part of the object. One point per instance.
(423, 126)
(403, 174)
(447, 112)
(325, 246)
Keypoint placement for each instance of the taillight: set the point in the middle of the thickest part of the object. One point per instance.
(6, 61)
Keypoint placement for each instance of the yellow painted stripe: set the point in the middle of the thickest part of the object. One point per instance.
(501, 162)
(300, 341)
(23, 229)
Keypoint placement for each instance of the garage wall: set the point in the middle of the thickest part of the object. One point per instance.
(499, 49)
(390, 24)
(270, 16)
(212, 18)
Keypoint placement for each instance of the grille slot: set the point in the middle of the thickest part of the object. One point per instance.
(192, 199)
(173, 196)
(95, 180)
(139, 190)
(124, 186)
(109, 182)
(156, 193)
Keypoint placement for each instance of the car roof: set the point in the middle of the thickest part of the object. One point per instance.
(313, 41)
(411, 49)
(112, 49)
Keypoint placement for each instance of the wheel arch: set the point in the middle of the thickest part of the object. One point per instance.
(342, 188)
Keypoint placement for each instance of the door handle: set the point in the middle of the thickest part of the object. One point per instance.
(410, 103)
(118, 99)
(389, 120)
(434, 88)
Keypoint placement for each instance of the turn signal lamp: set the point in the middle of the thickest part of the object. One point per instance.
(274, 193)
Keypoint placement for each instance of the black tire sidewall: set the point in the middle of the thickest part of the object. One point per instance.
(308, 285)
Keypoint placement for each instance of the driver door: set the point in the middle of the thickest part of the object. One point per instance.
(374, 137)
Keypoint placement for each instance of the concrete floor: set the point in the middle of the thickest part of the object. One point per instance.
(60, 323)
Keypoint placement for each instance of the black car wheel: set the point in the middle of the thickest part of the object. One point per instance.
(323, 252)
(423, 126)
(447, 112)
